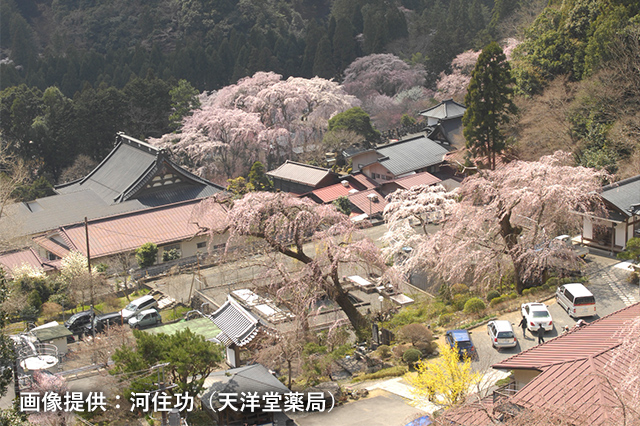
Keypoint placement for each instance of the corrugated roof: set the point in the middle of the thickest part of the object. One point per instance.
(424, 178)
(236, 324)
(625, 195)
(365, 180)
(124, 233)
(587, 341)
(298, 172)
(48, 334)
(333, 192)
(445, 110)
(363, 203)
(411, 154)
(29, 257)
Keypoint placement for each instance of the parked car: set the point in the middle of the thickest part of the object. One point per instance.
(537, 314)
(138, 305)
(501, 334)
(146, 318)
(461, 339)
(77, 322)
(104, 321)
(577, 300)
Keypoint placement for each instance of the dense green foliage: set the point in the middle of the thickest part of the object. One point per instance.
(573, 37)
(189, 356)
(489, 103)
(146, 254)
(357, 121)
(7, 354)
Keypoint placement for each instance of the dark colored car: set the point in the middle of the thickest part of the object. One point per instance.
(101, 322)
(78, 321)
(461, 339)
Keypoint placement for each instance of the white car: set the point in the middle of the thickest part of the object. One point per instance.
(536, 315)
(501, 334)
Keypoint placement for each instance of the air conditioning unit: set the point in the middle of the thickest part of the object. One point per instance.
(373, 197)
(345, 183)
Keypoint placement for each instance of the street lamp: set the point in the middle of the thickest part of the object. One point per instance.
(381, 299)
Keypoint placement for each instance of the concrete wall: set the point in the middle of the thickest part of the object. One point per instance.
(359, 160)
(522, 377)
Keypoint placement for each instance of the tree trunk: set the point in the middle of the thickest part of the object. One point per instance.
(357, 320)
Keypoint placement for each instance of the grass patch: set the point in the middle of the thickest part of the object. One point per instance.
(396, 371)
(178, 312)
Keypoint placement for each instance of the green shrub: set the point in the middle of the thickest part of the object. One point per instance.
(102, 267)
(459, 289)
(146, 255)
(459, 301)
(492, 295)
(496, 301)
(444, 319)
(552, 282)
(411, 356)
(526, 292)
(169, 255)
(545, 286)
(384, 351)
(634, 278)
(474, 305)
(513, 295)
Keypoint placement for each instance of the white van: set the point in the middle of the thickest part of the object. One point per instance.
(138, 305)
(577, 300)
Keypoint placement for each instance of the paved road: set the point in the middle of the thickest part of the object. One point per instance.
(607, 281)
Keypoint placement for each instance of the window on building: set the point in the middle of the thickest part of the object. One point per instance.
(201, 245)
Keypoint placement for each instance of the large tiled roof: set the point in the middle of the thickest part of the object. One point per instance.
(123, 182)
(365, 180)
(236, 324)
(301, 173)
(411, 154)
(445, 110)
(126, 232)
(624, 195)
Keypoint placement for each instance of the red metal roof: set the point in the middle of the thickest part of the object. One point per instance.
(16, 259)
(124, 233)
(365, 180)
(424, 178)
(370, 207)
(576, 372)
(581, 342)
(333, 192)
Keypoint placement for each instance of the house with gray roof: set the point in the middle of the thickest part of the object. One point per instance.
(444, 122)
(402, 158)
(622, 222)
(242, 381)
(134, 176)
(299, 178)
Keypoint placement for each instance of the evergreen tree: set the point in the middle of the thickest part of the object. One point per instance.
(323, 63)
(345, 48)
(489, 103)
(258, 178)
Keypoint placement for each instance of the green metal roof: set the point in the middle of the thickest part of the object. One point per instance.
(202, 326)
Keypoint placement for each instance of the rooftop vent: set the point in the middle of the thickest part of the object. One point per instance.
(345, 183)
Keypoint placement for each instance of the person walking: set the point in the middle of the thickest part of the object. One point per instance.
(523, 324)
(541, 334)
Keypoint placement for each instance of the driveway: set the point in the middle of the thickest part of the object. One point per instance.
(381, 408)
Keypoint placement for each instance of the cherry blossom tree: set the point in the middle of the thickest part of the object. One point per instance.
(506, 221)
(383, 74)
(259, 116)
(218, 142)
(454, 85)
(286, 224)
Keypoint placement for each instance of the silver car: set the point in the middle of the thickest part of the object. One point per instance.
(501, 334)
